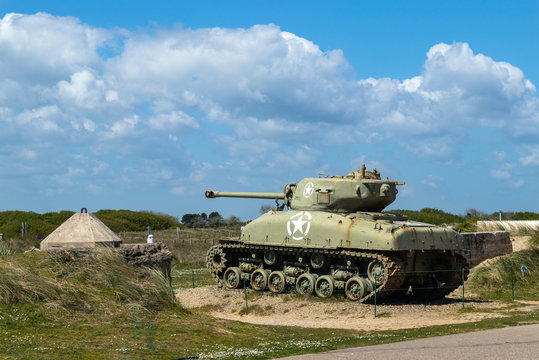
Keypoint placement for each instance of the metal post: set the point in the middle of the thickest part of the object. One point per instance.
(23, 230)
(178, 232)
(375, 281)
(245, 292)
(193, 276)
(512, 285)
(463, 288)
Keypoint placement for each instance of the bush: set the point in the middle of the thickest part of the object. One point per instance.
(430, 216)
(525, 216)
(40, 226)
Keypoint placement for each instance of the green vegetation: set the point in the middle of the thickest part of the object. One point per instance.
(213, 220)
(96, 306)
(127, 220)
(494, 281)
(430, 216)
(39, 226)
(525, 216)
(96, 282)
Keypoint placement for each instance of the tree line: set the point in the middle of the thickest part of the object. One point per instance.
(213, 220)
(38, 226)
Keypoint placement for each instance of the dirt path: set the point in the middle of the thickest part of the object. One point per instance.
(336, 313)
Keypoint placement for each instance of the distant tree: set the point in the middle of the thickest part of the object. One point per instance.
(475, 213)
(525, 216)
(188, 218)
(265, 208)
(215, 219)
(233, 220)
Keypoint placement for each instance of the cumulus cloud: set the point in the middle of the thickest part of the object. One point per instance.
(257, 96)
(41, 48)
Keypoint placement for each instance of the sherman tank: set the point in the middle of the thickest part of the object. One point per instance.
(334, 237)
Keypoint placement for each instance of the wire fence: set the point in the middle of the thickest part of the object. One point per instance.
(420, 285)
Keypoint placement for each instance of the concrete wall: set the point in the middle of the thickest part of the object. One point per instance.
(155, 255)
(485, 245)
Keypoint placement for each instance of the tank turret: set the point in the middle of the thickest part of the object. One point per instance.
(360, 190)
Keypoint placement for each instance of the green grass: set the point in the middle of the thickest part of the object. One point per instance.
(183, 277)
(494, 280)
(98, 307)
(173, 333)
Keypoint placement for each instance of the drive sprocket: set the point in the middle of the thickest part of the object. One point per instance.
(216, 259)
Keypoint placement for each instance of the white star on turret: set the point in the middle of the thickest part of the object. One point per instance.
(308, 190)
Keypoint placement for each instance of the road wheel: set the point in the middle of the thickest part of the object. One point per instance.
(277, 282)
(324, 286)
(259, 279)
(305, 284)
(232, 278)
(355, 288)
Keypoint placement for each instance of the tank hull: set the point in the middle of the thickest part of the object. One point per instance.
(360, 253)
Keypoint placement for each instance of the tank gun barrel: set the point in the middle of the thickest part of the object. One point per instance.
(253, 195)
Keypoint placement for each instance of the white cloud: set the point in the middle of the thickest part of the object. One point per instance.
(83, 90)
(42, 48)
(500, 174)
(260, 98)
(124, 127)
(432, 181)
(178, 191)
(532, 156)
(172, 120)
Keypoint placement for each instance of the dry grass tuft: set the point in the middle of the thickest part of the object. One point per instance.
(96, 281)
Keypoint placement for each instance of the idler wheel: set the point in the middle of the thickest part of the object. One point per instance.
(259, 279)
(232, 278)
(318, 261)
(355, 288)
(270, 257)
(305, 284)
(277, 282)
(216, 259)
(324, 286)
(377, 272)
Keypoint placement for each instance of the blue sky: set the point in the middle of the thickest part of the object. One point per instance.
(144, 105)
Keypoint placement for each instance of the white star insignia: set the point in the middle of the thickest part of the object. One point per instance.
(308, 190)
(302, 224)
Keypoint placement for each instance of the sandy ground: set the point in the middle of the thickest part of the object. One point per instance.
(336, 313)
(339, 313)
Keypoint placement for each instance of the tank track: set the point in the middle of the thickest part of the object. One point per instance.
(394, 279)
(450, 284)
